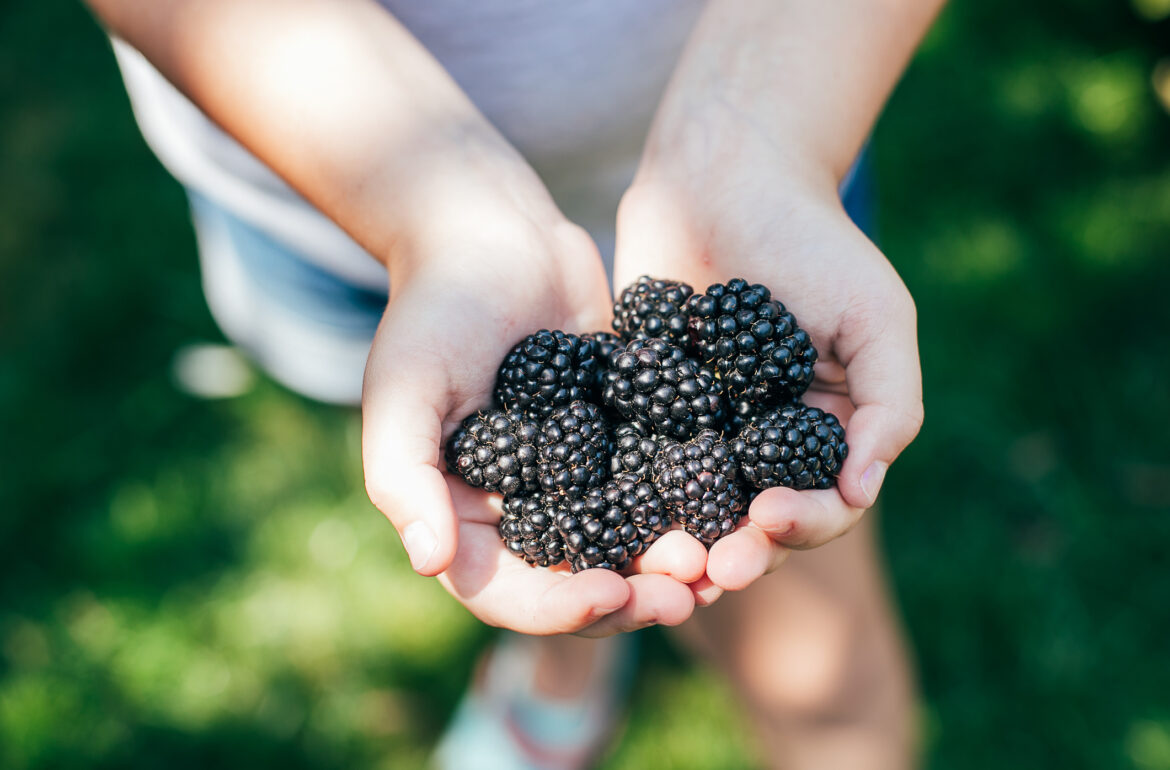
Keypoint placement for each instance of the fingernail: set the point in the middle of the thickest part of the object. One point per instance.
(871, 480)
(420, 544)
(600, 611)
(707, 595)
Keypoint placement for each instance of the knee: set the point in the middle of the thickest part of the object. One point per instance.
(828, 670)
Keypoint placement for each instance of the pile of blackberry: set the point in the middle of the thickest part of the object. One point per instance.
(601, 442)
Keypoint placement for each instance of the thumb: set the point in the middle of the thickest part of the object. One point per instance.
(885, 384)
(401, 435)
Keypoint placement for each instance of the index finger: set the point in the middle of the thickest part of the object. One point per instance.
(803, 520)
(879, 349)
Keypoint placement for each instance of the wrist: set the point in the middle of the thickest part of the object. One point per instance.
(473, 196)
(712, 145)
(519, 255)
(718, 221)
(483, 237)
(808, 79)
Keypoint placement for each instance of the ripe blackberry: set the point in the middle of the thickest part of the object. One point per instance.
(699, 481)
(573, 450)
(795, 446)
(612, 524)
(607, 345)
(653, 382)
(754, 344)
(634, 450)
(650, 308)
(546, 370)
(527, 529)
(495, 450)
(739, 411)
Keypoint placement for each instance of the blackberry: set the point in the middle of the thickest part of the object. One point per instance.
(546, 370)
(739, 411)
(752, 341)
(607, 345)
(573, 450)
(612, 524)
(634, 450)
(650, 308)
(795, 446)
(699, 482)
(495, 450)
(527, 529)
(653, 382)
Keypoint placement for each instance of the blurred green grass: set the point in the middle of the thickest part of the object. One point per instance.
(189, 582)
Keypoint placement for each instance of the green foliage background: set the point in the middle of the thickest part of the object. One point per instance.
(188, 583)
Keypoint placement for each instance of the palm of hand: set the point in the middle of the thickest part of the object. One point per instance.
(433, 362)
(842, 291)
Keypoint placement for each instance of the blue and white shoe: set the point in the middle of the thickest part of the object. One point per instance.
(504, 724)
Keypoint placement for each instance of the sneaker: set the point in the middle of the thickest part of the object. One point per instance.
(504, 724)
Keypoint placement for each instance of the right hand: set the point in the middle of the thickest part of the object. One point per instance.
(453, 315)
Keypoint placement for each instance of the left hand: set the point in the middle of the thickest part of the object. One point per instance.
(721, 200)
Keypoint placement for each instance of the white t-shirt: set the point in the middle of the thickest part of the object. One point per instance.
(573, 84)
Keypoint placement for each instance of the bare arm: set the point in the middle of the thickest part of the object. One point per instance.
(341, 101)
(809, 78)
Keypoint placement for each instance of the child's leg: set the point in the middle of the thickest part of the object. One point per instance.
(565, 666)
(815, 652)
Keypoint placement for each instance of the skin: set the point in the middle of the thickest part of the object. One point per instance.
(816, 657)
(766, 111)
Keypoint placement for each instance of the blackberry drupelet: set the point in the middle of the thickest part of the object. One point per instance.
(634, 450)
(546, 370)
(573, 450)
(652, 307)
(654, 382)
(528, 530)
(754, 344)
(612, 524)
(699, 482)
(495, 450)
(795, 446)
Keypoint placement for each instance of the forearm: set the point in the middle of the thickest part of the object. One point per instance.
(341, 101)
(808, 78)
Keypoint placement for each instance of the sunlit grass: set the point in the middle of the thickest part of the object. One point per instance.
(1152, 10)
(681, 722)
(975, 250)
(1148, 745)
(1110, 96)
(1118, 223)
